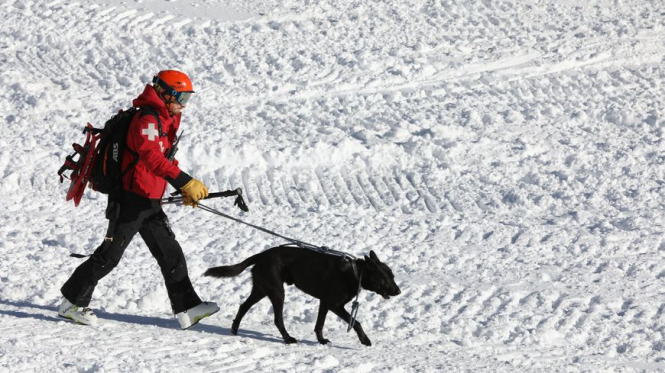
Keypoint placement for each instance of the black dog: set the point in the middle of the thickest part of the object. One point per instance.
(332, 279)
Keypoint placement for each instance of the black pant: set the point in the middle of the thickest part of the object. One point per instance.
(143, 216)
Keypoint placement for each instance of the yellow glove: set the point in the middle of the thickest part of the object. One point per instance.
(193, 191)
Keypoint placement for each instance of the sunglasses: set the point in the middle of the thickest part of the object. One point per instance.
(181, 97)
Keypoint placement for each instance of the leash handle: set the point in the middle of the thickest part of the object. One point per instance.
(240, 202)
(176, 196)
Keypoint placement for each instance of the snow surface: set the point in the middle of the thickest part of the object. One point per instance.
(505, 158)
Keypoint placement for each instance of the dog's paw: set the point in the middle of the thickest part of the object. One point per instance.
(324, 341)
(366, 341)
(290, 340)
(234, 328)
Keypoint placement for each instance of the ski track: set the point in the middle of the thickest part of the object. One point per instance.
(509, 169)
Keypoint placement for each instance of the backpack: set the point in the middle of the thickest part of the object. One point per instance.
(100, 157)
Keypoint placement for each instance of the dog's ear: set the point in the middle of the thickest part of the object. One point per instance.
(369, 261)
(373, 256)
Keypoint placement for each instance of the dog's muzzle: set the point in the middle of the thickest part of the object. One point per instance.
(393, 293)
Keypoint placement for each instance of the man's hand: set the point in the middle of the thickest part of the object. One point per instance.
(194, 191)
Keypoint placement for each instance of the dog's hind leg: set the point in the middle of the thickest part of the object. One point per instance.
(276, 295)
(344, 315)
(254, 297)
(320, 320)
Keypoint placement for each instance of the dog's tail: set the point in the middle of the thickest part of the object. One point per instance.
(231, 271)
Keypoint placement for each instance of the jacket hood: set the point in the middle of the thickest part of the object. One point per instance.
(149, 98)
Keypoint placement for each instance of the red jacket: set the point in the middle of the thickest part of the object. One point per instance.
(150, 174)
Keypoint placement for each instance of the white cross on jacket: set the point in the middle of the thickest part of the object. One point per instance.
(152, 133)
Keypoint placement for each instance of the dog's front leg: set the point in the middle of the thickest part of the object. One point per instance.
(320, 320)
(342, 313)
(277, 299)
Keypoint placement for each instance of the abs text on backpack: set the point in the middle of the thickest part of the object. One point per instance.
(100, 158)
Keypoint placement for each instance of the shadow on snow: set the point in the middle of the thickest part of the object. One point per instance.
(129, 319)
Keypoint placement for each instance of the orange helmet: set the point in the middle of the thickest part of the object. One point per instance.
(176, 84)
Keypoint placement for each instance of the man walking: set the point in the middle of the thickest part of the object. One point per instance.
(137, 208)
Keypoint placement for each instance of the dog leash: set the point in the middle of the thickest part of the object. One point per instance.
(320, 249)
(301, 244)
(356, 305)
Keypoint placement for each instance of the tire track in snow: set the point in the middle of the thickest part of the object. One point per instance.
(323, 187)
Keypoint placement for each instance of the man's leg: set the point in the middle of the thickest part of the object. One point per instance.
(186, 304)
(161, 241)
(80, 286)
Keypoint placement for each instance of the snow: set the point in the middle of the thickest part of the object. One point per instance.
(505, 158)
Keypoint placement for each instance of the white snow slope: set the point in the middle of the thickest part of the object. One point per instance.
(505, 158)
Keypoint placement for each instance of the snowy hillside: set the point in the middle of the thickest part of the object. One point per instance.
(505, 158)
